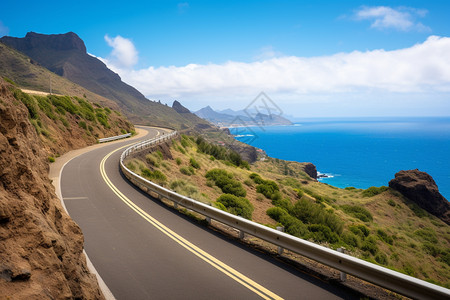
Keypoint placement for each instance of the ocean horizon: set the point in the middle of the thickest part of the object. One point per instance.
(360, 152)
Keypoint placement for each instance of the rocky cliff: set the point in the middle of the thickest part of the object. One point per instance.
(420, 188)
(40, 246)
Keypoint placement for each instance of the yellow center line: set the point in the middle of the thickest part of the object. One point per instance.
(219, 265)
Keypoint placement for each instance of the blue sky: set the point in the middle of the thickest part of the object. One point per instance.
(313, 58)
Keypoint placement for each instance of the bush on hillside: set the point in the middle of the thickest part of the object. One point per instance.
(237, 205)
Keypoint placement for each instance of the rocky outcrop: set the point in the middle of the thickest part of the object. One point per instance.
(311, 170)
(41, 248)
(180, 108)
(420, 188)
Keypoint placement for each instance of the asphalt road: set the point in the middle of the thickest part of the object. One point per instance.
(139, 261)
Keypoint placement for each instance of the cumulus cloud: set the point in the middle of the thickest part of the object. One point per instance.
(402, 19)
(124, 55)
(420, 68)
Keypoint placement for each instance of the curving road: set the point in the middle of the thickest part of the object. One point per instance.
(153, 252)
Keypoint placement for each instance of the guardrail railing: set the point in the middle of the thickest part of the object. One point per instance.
(113, 138)
(389, 279)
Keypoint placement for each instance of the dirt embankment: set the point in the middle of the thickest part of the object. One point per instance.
(40, 246)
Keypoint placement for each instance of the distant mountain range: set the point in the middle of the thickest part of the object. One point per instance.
(65, 55)
(231, 118)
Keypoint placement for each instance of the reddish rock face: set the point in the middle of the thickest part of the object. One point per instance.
(422, 189)
(41, 248)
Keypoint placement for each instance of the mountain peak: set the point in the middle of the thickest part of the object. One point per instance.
(179, 108)
(65, 41)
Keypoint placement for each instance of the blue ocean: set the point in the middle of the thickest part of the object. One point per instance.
(360, 152)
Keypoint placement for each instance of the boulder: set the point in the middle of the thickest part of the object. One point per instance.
(420, 188)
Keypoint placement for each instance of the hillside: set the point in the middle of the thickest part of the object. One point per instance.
(41, 247)
(378, 224)
(65, 55)
(28, 74)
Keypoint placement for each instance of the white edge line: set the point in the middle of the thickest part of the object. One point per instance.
(102, 285)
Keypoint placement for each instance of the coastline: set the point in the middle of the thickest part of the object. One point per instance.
(361, 154)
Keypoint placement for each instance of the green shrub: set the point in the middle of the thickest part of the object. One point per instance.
(370, 245)
(351, 239)
(283, 203)
(291, 224)
(224, 180)
(155, 175)
(29, 102)
(194, 163)
(323, 233)
(268, 188)
(391, 202)
(381, 258)
(102, 119)
(181, 150)
(184, 143)
(51, 159)
(178, 161)
(431, 249)
(373, 191)
(82, 124)
(313, 213)
(64, 103)
(219, 206)
(358, 212)
(256, 178)
(237, 205)
(350, 188)
(220, 152)
(186, 171)
(385, 237)
(360, 230)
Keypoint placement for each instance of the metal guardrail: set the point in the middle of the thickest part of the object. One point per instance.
(113, 138)
(389, 279)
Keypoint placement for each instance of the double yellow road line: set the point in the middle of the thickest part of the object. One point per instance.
(222, 267)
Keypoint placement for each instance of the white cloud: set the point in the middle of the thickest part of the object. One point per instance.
(123, 55)
(402, 19)
(423, 69)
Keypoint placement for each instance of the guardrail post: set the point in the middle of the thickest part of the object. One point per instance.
(343, 275)
(175, 205)
(208, 219)
(241, 234)
(280, 249)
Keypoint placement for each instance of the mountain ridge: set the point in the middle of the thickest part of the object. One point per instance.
(240, 118)
(65, 55)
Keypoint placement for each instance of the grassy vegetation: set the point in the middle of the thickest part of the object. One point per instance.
(46, 111)
(376, 224)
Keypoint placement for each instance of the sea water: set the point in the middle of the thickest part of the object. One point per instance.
(361, 152)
